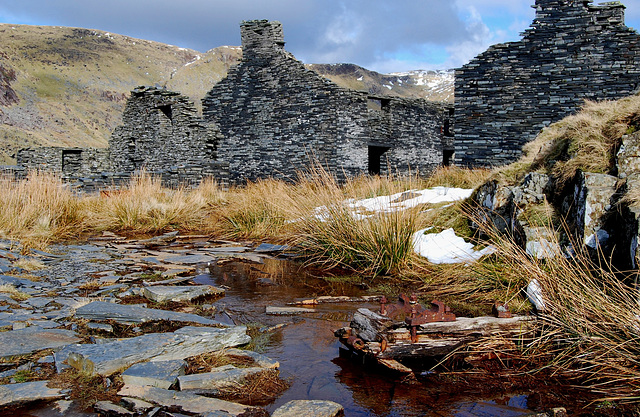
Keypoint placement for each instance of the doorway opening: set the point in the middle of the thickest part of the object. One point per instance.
(375, 158)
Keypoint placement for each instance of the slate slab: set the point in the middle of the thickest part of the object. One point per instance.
(309, 408)
(188, 402)
(110, 409)
(108, 358)
(188, 259)
(269, 248)
(218, 378)
(16, 282)
(161, 374)
(287, 311)
(259, 359)
(33, 339)
(163, 293)
(26, 392)
(102, 310)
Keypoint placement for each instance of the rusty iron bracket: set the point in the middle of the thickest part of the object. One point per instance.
(414, 313)
(501, 310)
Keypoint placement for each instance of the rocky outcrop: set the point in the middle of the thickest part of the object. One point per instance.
(7, 95)
(599, 212)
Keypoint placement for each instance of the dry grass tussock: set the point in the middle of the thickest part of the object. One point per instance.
(145, 206)
(13, 292)
(591, 329)
(38, 210)
(587, 141)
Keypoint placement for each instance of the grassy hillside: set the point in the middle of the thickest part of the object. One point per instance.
(64, 86)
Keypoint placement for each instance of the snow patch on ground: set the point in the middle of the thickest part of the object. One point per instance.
(447, 248)
(411, 198)
(444, 247)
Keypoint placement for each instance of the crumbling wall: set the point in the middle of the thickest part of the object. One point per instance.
(276, 116)
(573, 51)
(69, 162)
(161, 134)
(161, 129)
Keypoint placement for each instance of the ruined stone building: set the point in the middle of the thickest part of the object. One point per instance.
(276, 115)
(161, 133)
(573, 51)
(270, 117)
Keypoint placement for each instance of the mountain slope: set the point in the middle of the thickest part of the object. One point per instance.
(64, 86)
(430, 85)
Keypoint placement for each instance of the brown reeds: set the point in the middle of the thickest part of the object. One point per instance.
(38, 210)
(590, 328)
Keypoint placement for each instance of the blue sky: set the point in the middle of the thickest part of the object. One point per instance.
(382, 35)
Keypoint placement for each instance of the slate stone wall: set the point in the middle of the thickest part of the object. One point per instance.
(573, 51)
(276, 116)
(161, 129)
(161, 134)
(68, 162)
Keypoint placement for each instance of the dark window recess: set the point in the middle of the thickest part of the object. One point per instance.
(166, 110)
(71, 160)
(375, 155)
(447, 157)
(447, 128)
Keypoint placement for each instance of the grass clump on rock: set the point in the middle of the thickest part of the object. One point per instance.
(587, 141)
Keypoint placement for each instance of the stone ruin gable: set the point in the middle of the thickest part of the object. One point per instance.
(161, 131)
(68, 162)
(276, 116)
(573, 51)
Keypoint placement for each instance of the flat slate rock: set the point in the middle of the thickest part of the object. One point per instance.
(188, 259)
(110, 409)
(163, 293)
(218, 378)
(102, 310)
(309, 408)
(269, 248)
(16, 282)
(258, 358)
(287, 311)
(33, 339)
(26, 392)
(107, 358)
(188, 402)
(161, 374)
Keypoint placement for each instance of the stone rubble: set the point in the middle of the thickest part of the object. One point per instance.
(82, 288)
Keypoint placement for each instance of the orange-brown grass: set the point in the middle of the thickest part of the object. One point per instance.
(145, 206)
(591, 328)
(38, 210)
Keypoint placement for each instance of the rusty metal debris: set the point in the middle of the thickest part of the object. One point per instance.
(415, 313)
(501, 310)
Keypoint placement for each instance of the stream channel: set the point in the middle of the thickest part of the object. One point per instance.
(315, 361)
